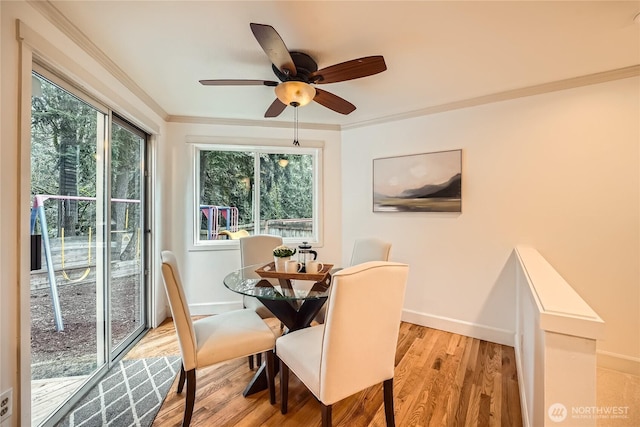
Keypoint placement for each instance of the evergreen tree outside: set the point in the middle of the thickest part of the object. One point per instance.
(63, 160)
(286, 189)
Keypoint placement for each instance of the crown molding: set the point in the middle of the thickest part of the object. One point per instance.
(248, 122)
(570, 83)
(51, 13)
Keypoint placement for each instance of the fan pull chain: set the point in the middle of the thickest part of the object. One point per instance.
(295, 126)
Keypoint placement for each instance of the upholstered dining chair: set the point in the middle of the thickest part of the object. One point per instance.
(365, 249)
(369, 249)
(255, 250)
(355, 348)
(212, 339)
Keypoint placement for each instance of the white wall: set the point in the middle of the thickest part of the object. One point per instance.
(558, 171)
(202, 269)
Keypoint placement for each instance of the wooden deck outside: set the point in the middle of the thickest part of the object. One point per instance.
(47, 395)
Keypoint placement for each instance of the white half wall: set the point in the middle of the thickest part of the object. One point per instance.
(557, 171)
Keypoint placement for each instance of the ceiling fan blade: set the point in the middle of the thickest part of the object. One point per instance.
(333, 102)
(275, 109)
(349, 70)
(222, 82)
(274, 47)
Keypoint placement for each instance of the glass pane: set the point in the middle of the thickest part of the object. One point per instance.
(66, 309)
(286, 195)
(127, 276)
(226, 193)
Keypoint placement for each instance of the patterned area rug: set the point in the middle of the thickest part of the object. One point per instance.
(129, 395)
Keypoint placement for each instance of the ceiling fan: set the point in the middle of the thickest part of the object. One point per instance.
(297, 73)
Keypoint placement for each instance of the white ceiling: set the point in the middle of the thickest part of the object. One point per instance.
(436, 52)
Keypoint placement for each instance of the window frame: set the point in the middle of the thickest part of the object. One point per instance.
(256, 146)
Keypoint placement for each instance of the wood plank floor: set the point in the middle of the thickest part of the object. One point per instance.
(441, 379)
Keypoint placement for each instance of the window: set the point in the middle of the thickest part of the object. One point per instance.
(245, 190)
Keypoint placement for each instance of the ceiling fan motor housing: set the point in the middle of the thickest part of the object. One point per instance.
(305, 65)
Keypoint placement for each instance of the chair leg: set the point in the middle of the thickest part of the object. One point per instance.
(271, 377)
(388, 403)
(250, 362)
(191, 397)
(326, 415)
(284, 387)
(181, 380)
(259, 359)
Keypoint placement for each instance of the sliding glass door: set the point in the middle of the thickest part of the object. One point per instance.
(88, 287)
(127, 290)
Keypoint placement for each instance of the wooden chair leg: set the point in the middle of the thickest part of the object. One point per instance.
(191, 397)
(259, 359)
(326, 415)
(181, 380)
(388, 403)
(250, 362)
(284, 387)
(271, 377)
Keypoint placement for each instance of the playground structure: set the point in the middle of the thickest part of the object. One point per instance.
(213, 213)
(38, 213)
(291, 227)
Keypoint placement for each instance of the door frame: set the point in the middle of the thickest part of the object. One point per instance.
(36, 50)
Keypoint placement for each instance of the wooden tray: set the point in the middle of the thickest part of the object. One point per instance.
(271, 272)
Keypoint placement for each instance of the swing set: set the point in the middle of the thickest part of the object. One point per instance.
(38, 213)
(212, 213)
(87, 271)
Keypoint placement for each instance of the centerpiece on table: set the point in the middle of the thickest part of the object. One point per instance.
(281, 255)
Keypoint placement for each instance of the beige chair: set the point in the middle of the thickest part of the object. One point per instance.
(257, 249)
(212, 339)
(369, 249)
(364, 250)
(355, 348)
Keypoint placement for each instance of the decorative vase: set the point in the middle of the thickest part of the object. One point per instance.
(280, 262)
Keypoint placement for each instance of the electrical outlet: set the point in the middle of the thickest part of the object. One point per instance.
(6, 405)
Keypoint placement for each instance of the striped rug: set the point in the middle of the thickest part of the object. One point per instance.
(129, 395)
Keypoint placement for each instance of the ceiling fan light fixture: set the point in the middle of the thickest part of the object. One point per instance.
(291, 92)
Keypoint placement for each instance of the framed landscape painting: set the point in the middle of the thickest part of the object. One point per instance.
(429, 182)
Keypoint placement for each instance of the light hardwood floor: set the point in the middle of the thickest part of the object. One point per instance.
(441, 379)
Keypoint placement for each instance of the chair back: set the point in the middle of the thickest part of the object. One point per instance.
(179, 310)
(258, 249)
(361, 328)
(369, 249)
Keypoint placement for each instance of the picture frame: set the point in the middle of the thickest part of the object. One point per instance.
(425, 182)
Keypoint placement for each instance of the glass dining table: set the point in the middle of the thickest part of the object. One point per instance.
(294, 298)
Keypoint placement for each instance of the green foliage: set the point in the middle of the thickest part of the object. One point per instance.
(64, 159)
(286, 192)
(283, 251)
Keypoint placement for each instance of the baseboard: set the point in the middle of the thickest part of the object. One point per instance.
(618, 362)
(461, 327)
(204, 309)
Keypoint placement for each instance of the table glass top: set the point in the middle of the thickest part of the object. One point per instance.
(247, 282)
